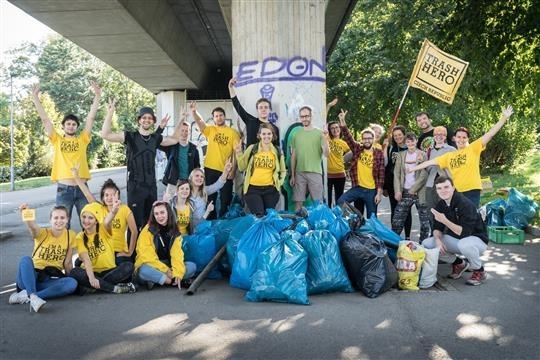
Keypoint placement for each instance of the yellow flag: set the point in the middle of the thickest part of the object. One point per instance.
(438, 73)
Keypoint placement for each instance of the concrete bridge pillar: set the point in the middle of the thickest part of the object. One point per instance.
(278, 53)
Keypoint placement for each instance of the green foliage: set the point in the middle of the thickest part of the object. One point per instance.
(371, 65)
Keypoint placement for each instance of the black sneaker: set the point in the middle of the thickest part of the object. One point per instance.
(150, 285)
(186, 283)
(127, 288)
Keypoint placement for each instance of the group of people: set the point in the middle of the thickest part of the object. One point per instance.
(410, 170)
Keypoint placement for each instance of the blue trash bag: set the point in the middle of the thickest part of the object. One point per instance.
(255, 240)
(520, 209)
(495, 212)
(325, 272)
(200, 248)
(367, 264)
(235, 234)
(235, 210)
(281, 272)
(223, 228)
(320, 212)
(340, 227)
(302, 226)
(375, 227)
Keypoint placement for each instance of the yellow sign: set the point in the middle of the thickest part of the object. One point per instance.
(438, 73)
(28, 214)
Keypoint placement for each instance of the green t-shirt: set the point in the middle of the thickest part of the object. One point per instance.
(308, 147)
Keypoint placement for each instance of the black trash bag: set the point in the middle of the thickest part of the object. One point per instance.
(367, 264)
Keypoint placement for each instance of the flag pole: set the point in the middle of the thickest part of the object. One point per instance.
(397, 113)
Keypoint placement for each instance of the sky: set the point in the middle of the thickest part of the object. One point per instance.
(16, 27)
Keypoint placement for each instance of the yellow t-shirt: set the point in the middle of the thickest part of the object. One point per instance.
(365, 170)
(102, 256)
(338, 148)
(68, 152)
(182, 219)
(264, 163)
(50, 250)
(464, 166)
(221, 142)
(119, 227)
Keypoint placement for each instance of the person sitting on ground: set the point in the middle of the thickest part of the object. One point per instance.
(201, 208)
(181, 206)
(160, 259)
(265, 171)
(95, 247)
(458, 230)
(41, 276)
(409, 188)
(122, 221)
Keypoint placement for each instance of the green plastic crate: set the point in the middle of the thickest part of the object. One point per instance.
(506, 235)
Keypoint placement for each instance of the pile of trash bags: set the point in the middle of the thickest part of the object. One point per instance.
(517, 211)
(286, 257)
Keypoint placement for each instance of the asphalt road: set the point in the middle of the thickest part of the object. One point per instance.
(498, 320)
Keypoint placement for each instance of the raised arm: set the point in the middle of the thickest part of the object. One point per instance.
(107, 222)
(232, 84)
(325, 146)
(32, 226)
(106, 132)
(331, 104)
(94, 108)
(82, 184)
(198, 118)
(505, 115)
(45, 120)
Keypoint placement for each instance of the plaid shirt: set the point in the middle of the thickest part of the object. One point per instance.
(356, 149)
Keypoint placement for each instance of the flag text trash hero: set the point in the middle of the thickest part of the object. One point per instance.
(438, 73)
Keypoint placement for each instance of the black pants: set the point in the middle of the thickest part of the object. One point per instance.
(140, 197)
(393, 204)
(107, 279)
(225, 194)
(338, 184)
(260, 198)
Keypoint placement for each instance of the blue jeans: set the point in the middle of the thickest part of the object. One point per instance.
(148, 273)
(47, 288)
(358, 192)
(474, 196)
(70, 196)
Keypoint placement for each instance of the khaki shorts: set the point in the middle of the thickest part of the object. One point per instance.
(308, 182)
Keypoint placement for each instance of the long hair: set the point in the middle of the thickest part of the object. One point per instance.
(171, 228)
(202, 190)
(96, 237)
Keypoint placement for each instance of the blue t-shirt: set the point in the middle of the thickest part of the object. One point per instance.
(183, 162)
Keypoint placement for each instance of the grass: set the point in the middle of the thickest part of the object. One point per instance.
(29, 183)
(524, 178)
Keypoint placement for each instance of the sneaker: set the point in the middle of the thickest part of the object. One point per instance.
(150, 285)
(458, 270)
(477, 278)
(186, 283)
(124, 288)
(20, 297)
(36, 302)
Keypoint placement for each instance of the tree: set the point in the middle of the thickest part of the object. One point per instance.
(372, 62)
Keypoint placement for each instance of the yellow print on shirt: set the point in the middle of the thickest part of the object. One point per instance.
(366, 159)
(52, 253)
(221, 139)
(183, 218)
(116, 224)
(264, 161)
(458, 161)
(95, 251)
(67, 146)
(335, 148)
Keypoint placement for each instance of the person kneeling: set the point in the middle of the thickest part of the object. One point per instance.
(458, 230)
(160, 259)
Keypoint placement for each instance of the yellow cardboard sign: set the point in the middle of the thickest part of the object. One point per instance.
(28, 214)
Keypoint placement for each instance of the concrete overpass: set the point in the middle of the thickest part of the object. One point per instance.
(164, 45)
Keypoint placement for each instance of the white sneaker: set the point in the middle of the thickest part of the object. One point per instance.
(20, 297)
(36, 302)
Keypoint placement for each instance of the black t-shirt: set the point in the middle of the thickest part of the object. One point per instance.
(252, 124)
(426, 140)
(141, 156)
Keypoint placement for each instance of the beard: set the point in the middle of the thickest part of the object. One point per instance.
(367, 147)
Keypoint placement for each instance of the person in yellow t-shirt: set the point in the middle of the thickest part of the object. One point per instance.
(69, 149)
(221, 141)
(181, 206)
(41, 276)
(265, 171)
(122, 221)
(95, 248)
(464, 164)
(336, 161)
(160, 259)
